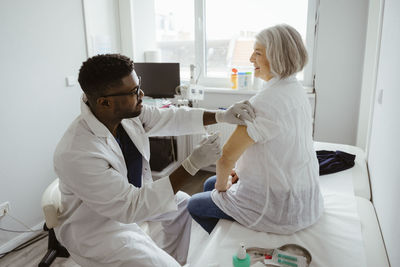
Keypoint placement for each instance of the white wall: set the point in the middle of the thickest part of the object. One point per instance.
(42, 42)
(339, 64)
(369, 72)
(383, 158)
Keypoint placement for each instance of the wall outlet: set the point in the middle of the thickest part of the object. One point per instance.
(4, 208)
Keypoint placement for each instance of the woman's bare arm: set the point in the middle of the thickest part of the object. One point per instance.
(237, 143)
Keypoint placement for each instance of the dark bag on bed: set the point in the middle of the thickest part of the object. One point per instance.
(334, 161)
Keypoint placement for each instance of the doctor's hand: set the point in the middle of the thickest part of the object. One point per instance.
(237, 113)
(205, 154)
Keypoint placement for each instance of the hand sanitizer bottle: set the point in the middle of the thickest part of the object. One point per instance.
(241, 259)
(234, 78)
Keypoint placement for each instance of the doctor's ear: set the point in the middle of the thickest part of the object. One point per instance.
(103, 102)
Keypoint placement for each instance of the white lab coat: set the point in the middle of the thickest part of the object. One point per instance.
(101, 209)
(278, 189)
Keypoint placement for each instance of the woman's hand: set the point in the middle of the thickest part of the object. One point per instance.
(232, 179)
(235, 178)
(229, 183)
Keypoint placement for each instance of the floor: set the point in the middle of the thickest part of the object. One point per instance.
(31, 255)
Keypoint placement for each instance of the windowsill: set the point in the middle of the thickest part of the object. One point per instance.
(230, 91)
(219, 90)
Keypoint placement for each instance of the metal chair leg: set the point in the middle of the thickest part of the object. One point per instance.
(54, 249)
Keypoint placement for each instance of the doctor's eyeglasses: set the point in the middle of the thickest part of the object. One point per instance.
(136, 91)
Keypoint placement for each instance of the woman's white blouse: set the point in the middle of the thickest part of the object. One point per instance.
(278, 189)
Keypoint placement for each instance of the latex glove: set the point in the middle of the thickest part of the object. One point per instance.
(205, 154)
(237, 113)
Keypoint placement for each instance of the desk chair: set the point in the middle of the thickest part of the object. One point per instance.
(51, 205)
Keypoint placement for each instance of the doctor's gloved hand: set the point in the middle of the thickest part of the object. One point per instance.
(237, 113)
(205, 154)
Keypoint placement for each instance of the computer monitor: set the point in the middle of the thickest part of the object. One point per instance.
(159, 80)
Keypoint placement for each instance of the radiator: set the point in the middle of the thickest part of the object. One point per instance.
(225, 131)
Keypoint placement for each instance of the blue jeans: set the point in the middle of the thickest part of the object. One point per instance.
(203, 210)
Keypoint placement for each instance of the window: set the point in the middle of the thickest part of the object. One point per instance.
(231, 26)
(175, 33)
(216, 36)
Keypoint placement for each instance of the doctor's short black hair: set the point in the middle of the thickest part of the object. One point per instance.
(98, 73)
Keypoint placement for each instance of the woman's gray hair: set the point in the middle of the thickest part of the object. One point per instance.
(285, 50)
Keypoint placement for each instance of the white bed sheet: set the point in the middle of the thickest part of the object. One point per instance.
(352, 181)
(335, 240)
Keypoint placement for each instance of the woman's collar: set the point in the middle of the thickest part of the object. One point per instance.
(274, 80)
(270, 82)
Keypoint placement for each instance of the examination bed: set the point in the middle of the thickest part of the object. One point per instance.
(347, 234)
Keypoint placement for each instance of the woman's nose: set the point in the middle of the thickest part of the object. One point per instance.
(252, 58)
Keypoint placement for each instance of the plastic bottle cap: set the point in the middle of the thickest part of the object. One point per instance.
(241, 254)
(234, 70)
(241, 259)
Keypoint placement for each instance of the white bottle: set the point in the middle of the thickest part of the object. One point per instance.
(249, 78)
(241, 253)
(242, 81)
(245, 80)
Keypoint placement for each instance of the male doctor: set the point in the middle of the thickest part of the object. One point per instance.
(105, 179)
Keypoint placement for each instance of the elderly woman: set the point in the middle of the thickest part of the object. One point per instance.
(267, 177)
